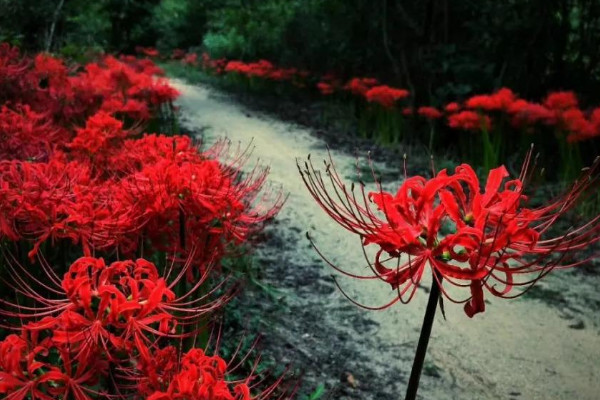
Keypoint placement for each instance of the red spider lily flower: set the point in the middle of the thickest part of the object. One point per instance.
(62, 200)
(51, 69)
(150, 149)
(102, 133)
(430, 113)
(177, 54)
(501, 100)
(190, 59)
(408, 111)
(134, 109)
(576, 124)
(217, 66)
(33, 369)
(561, 101)
(496, 242)
(142, 65)
(34, 196)
(237, 66)
(202, 376)
(325, 88)
(122, 307)
(28, 135)
(591, 132)
(149, 51)
(219, 206)
(197, 375)
(452, 107)
(386, 96)
(469, 121)
(525, 113)
(360, 86)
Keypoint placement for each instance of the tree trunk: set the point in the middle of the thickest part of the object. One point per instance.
(53, 25)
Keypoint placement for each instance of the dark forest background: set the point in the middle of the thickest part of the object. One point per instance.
(441, 50)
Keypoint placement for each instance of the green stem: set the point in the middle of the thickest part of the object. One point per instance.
(431, 135)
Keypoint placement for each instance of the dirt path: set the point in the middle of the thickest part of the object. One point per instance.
(546, 346)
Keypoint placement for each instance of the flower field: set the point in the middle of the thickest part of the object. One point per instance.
(112, 237)
(117, 233)
(485, 129)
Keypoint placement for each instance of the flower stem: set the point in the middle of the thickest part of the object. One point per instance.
(417, 367)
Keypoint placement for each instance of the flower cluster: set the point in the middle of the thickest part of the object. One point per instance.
(264, 69)
(217, 66)
(483, 239)
(196, 376)
(101, 317)
(385, 95)
(78, 180)
(328, 84)
(41, 94)
(559, 110)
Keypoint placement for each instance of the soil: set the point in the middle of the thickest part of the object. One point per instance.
(544, 345)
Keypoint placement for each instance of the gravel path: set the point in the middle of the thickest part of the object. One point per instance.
(544, 346)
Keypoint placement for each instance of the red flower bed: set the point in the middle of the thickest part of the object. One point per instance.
(79, 179)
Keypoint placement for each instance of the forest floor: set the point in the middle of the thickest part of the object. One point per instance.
(544, 345)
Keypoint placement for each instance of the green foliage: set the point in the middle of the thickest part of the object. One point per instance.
(181, 23)
(439, 49)
(26, 22)
(249, 31)
(85, 25)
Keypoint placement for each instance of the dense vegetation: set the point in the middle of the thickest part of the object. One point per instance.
(438, 49)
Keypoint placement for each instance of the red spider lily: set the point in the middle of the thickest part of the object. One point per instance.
(262, 69)
(202, 376)
(469, 121)
(452, 107)
(360, 86)
(576, 124)
(561, 101)
(385, 95)
(430, 113)
(408, 111)
(151, 149)
(217, 66)
(52, 70)
(217, 204)
(496, 243)
(147, 51)
(592, 129)
(102, 133)
(142, 65)
(61, 200)
(499, 101)
(112, 79)
(32, 369)
(110, 309)
(48, 87)
(170, 376)
(525, 113)
(28, 135)
(190, 59)
(325, 88)
(138, 192)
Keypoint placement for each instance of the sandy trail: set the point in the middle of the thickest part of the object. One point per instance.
(520, 349)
